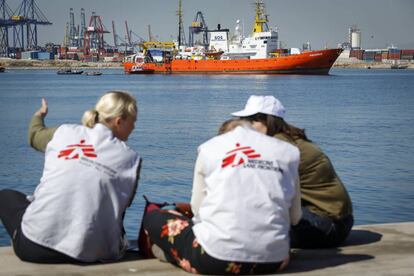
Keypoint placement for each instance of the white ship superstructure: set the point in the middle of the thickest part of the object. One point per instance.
(259, 45)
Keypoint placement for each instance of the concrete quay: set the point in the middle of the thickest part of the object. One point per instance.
(380, 249)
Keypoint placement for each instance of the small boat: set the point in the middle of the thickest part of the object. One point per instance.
(69, 72)
(93, 73)
(399, 66)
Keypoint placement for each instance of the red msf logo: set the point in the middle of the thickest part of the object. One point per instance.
(239, 156)
(77, 150)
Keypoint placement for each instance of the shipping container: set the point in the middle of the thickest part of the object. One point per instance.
(378, 57)
(384, 55)
(359, 54)
(407, 52)
(406, 56)
(45, 56)
(394, 55)
(30, 55)
(369, 55)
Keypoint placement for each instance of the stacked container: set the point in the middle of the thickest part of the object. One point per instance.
(45, 56)
(378, 56)
(407, 54)
(394, 54)
(29, 55)
(359, 54)
(369, 56)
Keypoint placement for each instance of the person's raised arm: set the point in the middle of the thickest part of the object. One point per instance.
(39, 135)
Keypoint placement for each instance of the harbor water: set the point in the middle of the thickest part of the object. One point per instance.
(362, 119)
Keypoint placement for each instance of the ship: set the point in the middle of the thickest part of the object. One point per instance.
(255, 54)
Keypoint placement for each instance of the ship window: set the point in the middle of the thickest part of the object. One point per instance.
(265, 42)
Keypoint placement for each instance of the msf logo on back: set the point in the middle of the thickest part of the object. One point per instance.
(77, 150)
(238, 156)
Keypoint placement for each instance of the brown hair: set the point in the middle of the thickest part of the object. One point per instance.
(277, 125)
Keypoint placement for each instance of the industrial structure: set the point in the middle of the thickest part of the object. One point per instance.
(198, 26)
(23, 23)
(5, 24)
(94, 36)
(181, 34)
(87, 42)
(354, 37)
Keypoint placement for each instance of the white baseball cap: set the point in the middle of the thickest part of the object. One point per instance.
(262, 104)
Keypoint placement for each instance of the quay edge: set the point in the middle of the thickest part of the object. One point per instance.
(378, 249)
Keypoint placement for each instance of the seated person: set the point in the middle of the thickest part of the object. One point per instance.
(245, 196)
(326, 206)
(89, 179)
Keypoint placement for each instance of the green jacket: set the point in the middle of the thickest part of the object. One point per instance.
(39, 135)
(322, 190)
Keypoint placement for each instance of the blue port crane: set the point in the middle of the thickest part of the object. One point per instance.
(198, 26)
(27, 16)
(5, 23)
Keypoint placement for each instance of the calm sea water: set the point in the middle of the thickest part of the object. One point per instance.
(363, 119)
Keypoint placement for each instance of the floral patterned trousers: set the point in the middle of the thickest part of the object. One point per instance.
(173, 233)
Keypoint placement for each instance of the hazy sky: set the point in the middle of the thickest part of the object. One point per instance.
(321, 22)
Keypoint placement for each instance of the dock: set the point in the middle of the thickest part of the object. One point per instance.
(378, 249)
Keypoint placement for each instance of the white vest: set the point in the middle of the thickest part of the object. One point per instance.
(89, 179)
(250, 182)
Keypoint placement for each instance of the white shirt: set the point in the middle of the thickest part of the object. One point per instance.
(249, 186)
(89, 179)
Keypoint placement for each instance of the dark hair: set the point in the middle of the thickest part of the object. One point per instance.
(231, 124)
(277, 125)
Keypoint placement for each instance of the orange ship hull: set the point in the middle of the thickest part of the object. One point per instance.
(313, 62)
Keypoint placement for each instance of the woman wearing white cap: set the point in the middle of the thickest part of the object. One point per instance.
(245, 196)
(89, 179)
(326, 206)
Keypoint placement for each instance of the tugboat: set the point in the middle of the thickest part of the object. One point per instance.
(256, 54)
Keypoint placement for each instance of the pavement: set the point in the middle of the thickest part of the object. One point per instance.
(378, 249)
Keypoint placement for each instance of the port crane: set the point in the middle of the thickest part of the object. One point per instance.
(5, 24)
(198, 26)
(94, 36)
(27, 17)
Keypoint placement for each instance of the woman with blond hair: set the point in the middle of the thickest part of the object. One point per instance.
(89, 179)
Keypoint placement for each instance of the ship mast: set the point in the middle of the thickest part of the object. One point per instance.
(260, 20)
(181, 34)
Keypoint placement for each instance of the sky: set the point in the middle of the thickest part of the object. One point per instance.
(324, 23)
